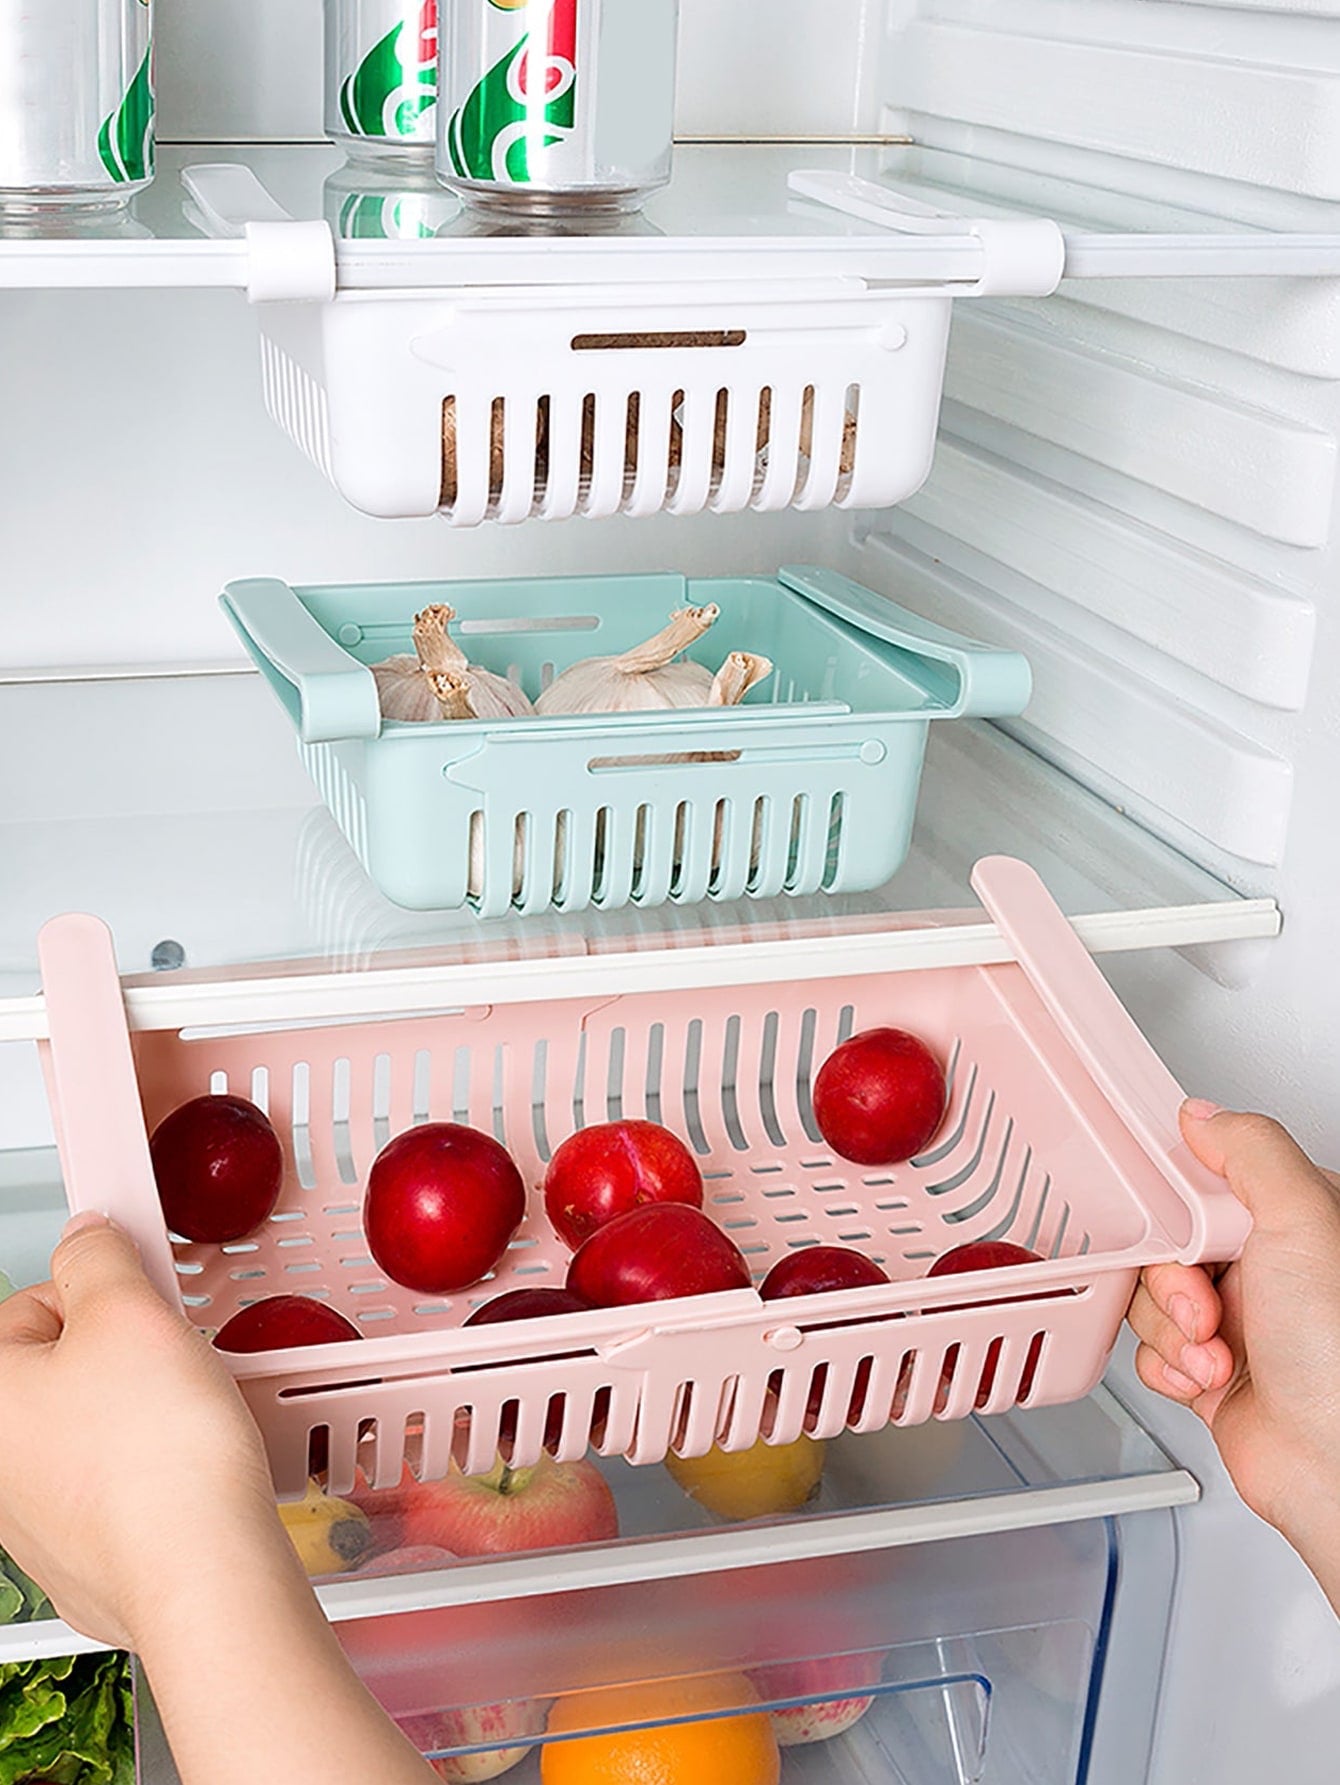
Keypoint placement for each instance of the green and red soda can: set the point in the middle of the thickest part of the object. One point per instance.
(381, 75)
(557, 105)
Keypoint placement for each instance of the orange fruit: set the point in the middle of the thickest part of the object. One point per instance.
(724, 1750)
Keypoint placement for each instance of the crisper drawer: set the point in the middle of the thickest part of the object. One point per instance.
(972, 1660)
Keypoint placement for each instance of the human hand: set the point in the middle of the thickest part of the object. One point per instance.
(130, 1461)
(1254, 1350)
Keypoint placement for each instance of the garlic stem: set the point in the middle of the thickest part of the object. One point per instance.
(452, 691)
(741, 671)
(436, 648)
(687, 625)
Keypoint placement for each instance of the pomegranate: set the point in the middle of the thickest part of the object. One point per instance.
(442, 1202)
(281, 1321)
(879, 1097)
(219, 1167)
(606, 1170)
(653, 1253)
(811, 1270)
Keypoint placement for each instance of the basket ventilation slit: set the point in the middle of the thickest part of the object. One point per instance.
(693, 1053)
(614, 1081)
(603, 850)
(450, 482)
(499, 1086)
(655, 1066)
(632, 441)
(730, 1104)
(461, 1086)
(218, 1084)
(804, 1064)
(539, 1075)
(767, 1067)
(851, 433)
(720, 418)
(562, 843)
(683, 838)
(300, 1107)
(579, 1082)
(523, 867)
(381, 1101)
(260, 1088)
(542, 450)
(318, 1450)
(341, 1075)
(833, 871)
(641, 843)
(421, 1087)
(1032, 1364)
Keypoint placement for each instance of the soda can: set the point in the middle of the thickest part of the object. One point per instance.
(76, 103)
(554, 105)
(381, 76)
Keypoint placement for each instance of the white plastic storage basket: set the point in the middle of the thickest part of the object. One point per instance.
(809, 786)
(503, 404)
(1061, 1134)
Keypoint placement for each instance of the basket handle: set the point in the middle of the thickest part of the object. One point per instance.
(963, 678)
(326, 692)
(1201, 1215)
(95, 1098)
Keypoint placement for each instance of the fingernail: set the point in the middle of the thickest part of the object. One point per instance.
(1200, 1109)
(1183, 1311)
(82, 1222)
(1182, 1385)
(1199, 1364)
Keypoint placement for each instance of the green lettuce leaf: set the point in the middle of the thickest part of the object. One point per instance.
(67, 1722)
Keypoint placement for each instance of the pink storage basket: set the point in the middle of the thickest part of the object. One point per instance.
(1061, 1134)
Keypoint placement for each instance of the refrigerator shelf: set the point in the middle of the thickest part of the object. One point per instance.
(765, 336)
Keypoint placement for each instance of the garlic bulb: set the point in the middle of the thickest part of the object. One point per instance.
(741, 671)
(645, 679)
(491, 696)
(405, 693)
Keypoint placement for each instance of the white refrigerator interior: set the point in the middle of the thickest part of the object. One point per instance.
(1134, 484)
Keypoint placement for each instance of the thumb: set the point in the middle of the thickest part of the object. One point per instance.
(95, 1262)
(1265, 1167)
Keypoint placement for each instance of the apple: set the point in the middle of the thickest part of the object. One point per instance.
(281, 1321)
(813, 1270)
(472, 1727)
(442, 1202)
(605, 1170)
(416, 1558)
(654, 1253)
(219, 1167)
(547, 1506)
(985, 1255)
(879, 1097)
(801, 1723)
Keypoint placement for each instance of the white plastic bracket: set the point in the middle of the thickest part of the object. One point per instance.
(287, 261)
(1021, 257)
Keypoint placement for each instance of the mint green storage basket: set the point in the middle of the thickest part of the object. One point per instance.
(810, 785)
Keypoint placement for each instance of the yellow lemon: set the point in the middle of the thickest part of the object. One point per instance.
(752, 1483)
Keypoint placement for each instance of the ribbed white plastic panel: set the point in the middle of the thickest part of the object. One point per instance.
(1135, 481)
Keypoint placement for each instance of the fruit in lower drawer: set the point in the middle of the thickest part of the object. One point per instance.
(219, 1166)
(797, 1724)
(472, 1728)
(654, 1253)
(766, 1478)
(547, 1506)
(607, 1169)
(879, 1097)
(442, 1202)
(738, 1749)
(281, 1321)
(331, 1536)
